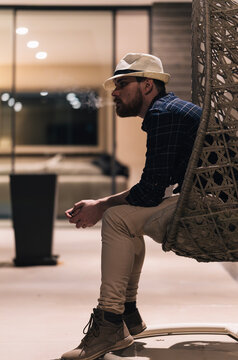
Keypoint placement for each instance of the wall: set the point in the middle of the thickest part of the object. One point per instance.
(130, 139)
(171, 41)
(54, 77)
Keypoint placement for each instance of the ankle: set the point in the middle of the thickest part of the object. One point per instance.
(112, 317)
(130, 307)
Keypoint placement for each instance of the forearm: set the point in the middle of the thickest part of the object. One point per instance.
(114, 200)
(87, 213)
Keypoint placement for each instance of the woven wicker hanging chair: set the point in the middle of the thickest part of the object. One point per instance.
(205, 223)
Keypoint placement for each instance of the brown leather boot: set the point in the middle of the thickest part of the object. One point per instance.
(101, 337)
(134, 322)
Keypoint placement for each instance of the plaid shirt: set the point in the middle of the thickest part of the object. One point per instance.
(171, 125)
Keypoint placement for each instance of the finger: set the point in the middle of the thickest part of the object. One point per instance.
(74, 212)
(74, 215)
(74, 220)
(81, 224)
(68, 215)
(68, 212)
(77, 206)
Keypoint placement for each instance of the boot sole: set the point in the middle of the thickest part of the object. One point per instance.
(137, 329)
(120, 345)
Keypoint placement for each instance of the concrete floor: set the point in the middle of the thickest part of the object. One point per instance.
(44, 309)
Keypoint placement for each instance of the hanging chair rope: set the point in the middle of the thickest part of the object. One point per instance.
(205, 222)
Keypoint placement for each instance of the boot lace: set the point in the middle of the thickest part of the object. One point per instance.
(91, 329)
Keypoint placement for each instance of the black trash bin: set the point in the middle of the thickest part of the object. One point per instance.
(33, 199)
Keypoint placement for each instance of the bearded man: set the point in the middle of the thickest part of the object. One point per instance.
(138, 89)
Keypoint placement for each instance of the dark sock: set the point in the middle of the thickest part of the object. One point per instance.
(112, 317)
(130, 307)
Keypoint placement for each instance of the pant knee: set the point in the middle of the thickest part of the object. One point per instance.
(113, 218)
(116, 225)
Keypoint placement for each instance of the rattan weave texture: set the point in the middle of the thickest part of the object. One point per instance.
(205, 223)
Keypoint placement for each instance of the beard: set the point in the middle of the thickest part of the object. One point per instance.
(131, 109)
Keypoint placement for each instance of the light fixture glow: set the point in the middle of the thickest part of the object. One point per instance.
(18, 106)
(77, 106)
(33, 44)
(22, 30)
(41, 55)
(70, 96)
(11, 102)
(75, 102)
(43, 93)
(5, 97)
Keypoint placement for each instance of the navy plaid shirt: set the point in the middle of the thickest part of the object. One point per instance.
(171, 125)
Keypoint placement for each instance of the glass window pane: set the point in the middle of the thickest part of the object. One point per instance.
(62, 59)
(6, 71)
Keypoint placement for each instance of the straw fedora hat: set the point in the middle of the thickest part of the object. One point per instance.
(138, 64)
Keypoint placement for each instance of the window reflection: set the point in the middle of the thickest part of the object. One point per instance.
(6, 63)
(63, 52)
(55, 118)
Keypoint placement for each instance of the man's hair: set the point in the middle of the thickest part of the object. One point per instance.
(160, 85)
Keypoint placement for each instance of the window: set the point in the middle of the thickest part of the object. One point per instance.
(61, 61)
(6, 65)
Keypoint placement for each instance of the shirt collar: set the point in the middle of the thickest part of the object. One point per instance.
(158, 103)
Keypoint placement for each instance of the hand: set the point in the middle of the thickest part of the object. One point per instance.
(85, 213)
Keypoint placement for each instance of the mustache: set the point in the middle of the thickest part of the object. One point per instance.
(117, 100)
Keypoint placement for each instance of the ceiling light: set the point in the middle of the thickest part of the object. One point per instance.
(11, 102)
(18, 106)
(75, 102)
(43, 93)
(76, 106)
(41, 55)
(5, 97)
(70, 96)
(22, 30)
(33, 44)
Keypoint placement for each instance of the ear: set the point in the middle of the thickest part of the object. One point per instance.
(148, 85)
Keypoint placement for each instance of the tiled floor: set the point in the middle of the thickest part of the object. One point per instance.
(44, 309)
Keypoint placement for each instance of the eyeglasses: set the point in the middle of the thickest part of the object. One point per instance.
(123, 82)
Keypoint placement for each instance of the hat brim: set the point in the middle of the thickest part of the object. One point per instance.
(109, 83)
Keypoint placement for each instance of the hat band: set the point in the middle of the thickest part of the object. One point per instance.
(126, 71)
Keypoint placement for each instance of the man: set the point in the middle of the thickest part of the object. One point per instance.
(171, 124)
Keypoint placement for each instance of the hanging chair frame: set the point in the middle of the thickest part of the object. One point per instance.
(230, 330)
(205, 222)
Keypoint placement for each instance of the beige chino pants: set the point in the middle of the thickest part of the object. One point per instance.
(123, 250)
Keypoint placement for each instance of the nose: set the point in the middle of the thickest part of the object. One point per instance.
(115, 92)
